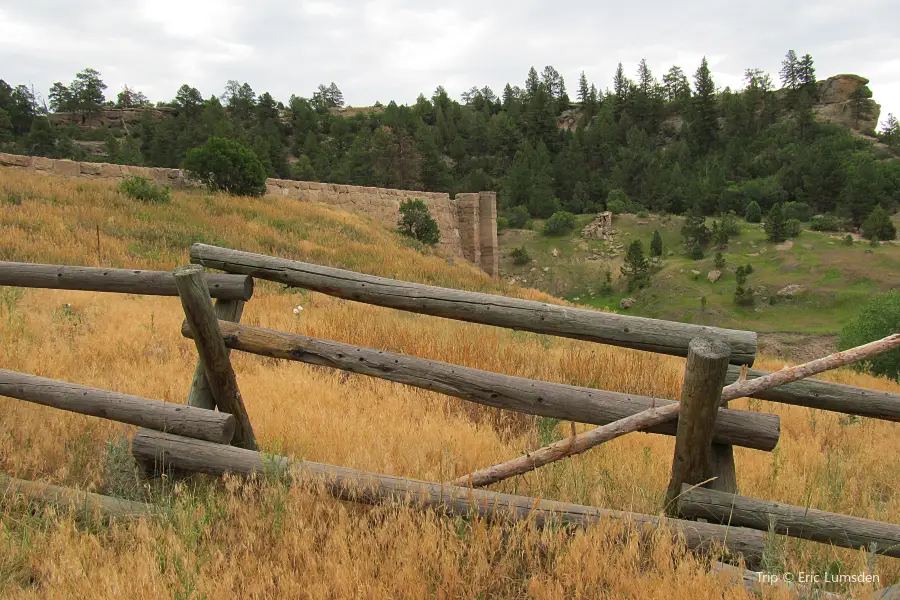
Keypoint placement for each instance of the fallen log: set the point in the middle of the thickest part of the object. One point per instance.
(170, 451)
(134, 410)
(654, 416)
(583, 405)
(121, 281)
(86, 505)
(794, 521)
(654, 335)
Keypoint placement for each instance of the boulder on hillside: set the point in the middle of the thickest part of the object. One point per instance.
(790, 291)
(714, 276)
(627, 303)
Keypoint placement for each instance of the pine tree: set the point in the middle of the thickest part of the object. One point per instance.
(704, 125)
(584, 91)
(890, 132)
(532, 83)
(860, 103)
(656, 245)
(621, 90)
(753, 214)
(878, 226)
(806, 75)
(675, 85)
(790, 76)
(636, 268)
(776, 224)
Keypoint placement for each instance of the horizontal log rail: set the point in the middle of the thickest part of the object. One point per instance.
(170, 451)
(163, 416)
(826, 395)
(794, 521)
(584, 405)
(86, 505)
(664, 337)
(122, 281)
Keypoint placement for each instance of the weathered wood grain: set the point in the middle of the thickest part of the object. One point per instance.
(359, 486)
(122, 281)
(654, 335)
(201, 318)
(701, 394)
(134, 410)
(85, 505)
(825, 395)
(583, 405)
(794, 521)
(200, 394)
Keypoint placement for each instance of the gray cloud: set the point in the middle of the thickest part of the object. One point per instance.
(395, 49)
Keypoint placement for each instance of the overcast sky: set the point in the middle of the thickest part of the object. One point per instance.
(394, 49)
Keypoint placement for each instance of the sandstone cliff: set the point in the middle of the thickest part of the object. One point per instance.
(834, 104)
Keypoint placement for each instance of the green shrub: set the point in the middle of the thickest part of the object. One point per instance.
(719, 261)
(730, 225)
(416, 222)
(520, 256)
(878, 226)
(144, 190)
(519, 218)
(879, 318)
(753, 213)
(792, 228)
(656, 245)
(228, 166)
(560, 223)
(826, 222)
(618, 202)
(798, 210)
(502, 223)
(848, 241)
(776, 225)
(643, 214)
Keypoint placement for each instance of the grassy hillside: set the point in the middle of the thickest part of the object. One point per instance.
(265, 539)
(836, 278)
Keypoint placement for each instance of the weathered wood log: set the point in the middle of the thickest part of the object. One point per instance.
(794, 521)
(664, 337)
(85, 505)
(200, 394)
(655, 416)
(134, 410)
(583, 405)
(826, 395)
(701, 394)
(122, 281)
(201, 319)
(359, 486)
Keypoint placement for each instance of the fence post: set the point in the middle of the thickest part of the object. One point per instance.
(704, 376)
(201, 318)
(200, 395)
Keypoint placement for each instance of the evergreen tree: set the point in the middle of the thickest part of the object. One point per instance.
(635, 268)
(790, 76)
(753, 214)
(890, 132)
(878, 226)
(621, 90)
(776, 224)
(806, 75)
(860, 103)
(656, 245)
(704, 118)
(584, 90)
(532, 83)
(676, 85)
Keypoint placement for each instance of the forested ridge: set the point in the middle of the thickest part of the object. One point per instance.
(677, 144)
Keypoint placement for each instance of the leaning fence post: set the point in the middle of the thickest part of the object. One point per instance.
(201, 318)
(704, 376)
(200, 395)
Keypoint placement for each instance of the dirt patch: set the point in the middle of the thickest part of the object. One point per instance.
(785, 246)
(796, 347)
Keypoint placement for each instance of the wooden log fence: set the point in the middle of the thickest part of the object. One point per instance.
(701, 395)
(85, 505)
(202, 321)
(795, 521)
(664, 337)
(122, 281)
(584, 405)
(134, 410)
(169, 451)
(826, 395)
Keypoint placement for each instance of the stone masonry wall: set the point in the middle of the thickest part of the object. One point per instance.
(468, 224)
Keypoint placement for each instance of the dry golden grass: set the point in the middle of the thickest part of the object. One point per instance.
(266, 540)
